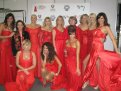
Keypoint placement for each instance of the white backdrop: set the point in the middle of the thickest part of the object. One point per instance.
(53, 10)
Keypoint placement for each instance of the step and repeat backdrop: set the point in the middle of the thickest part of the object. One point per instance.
(53, 10)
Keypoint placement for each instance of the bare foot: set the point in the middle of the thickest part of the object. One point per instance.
(96, 87)
(85, 85)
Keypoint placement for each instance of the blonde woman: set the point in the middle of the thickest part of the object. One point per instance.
(46, 31)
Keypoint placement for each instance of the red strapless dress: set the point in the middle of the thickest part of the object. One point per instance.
(23, 82)
(108, 62)
(34, 38)
(7, 60)
(45, 36)
(73, 80)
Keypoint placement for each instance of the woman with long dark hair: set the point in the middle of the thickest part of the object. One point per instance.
(7, 62)
(51, 65)
(105, 62)
(20, 35)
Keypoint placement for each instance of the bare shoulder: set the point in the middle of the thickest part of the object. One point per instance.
(19, 52)
(2, 25)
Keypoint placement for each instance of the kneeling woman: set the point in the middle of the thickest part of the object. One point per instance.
(26, 62)
(51, 65)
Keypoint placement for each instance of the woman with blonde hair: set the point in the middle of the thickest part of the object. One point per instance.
(46, 31)
(33, 29)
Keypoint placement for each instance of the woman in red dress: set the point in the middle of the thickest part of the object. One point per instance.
(26, 62)
(72, 61)
(51, 65)
(46, 31)
(104, 61)
(33, 29)
(59, 38)
(7, 60)
(92, 29)
(82, 36)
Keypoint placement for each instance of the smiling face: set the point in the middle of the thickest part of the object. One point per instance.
(84, 18)
(26, 45)
(10, 20)
(92, 18)
(45, 50)
(33, 18)
(72, 35)
(20, 26)
(101, 20)
(60, 21)
(47, 22)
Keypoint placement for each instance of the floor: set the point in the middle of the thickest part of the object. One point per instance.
(38, 87)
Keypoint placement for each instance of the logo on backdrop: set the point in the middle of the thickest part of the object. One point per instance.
(66, 7)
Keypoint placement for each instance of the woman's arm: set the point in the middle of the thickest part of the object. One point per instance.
(18, 65)
(77, 57)
(59, 65)
(33, 62)
(112, 38)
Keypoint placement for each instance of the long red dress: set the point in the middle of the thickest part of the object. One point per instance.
(82, 36)
(45, 36)
(23, 81)
(7, 60)
(108, 61)
(34, 38)
(73, 80)
(116, 79)
(60, 39)
(93, 79)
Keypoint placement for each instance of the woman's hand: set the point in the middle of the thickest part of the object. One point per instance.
(26, 72)
(78, 72)
(11, 34)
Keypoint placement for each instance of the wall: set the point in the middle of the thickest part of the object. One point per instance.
(107, 6)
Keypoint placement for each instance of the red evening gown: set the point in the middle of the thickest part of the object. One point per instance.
(60, 39)
(23, 81)
(93, 79)
(73, 80)
(34, 38)
(82, 36)
(45, 36)
(7, 60)
(59, 44)
(108, 62)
